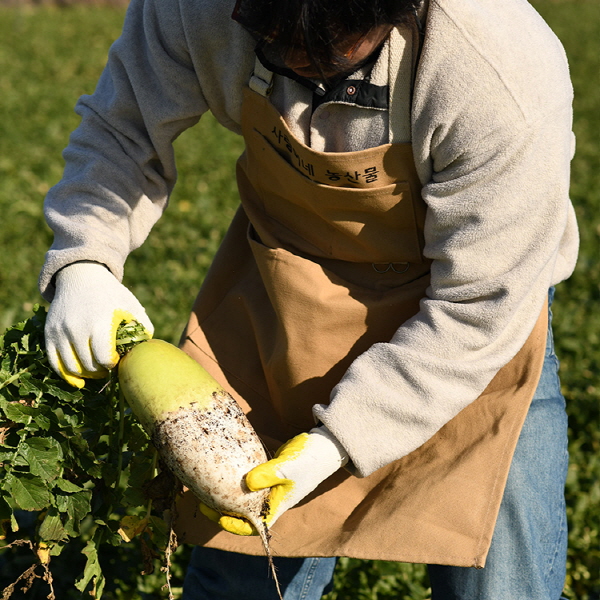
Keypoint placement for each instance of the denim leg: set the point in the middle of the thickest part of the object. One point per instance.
(219, 575)
(527, 558)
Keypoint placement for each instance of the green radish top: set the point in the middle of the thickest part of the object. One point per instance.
(157, 378)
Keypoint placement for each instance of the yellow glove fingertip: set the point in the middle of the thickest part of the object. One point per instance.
(292, 447)
(236, 525)
(209, 512)
(263, 476)
(70, 378)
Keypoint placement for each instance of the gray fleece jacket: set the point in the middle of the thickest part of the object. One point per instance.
(491, 132)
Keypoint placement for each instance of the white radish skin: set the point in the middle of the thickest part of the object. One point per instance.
(198, 429)
(210, 450)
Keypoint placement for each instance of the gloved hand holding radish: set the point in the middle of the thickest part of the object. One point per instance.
(299, 466)
(88, 306)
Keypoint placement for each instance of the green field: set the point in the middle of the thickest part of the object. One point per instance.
(48, 57)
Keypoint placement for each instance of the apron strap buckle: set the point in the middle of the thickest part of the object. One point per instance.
(261, 81)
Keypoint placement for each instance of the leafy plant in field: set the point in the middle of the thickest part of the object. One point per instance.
(76, 460)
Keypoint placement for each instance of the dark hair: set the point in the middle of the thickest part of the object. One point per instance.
(319, 24)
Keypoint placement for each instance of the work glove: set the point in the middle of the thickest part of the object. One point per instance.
(299, 466)
(81, 327)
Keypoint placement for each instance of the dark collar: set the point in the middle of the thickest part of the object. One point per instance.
(356, 91)
(350, 91)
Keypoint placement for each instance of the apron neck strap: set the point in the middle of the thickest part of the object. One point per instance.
(402, 67)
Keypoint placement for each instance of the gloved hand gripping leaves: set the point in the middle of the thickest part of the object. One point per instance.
(81, 327)
(299, 466)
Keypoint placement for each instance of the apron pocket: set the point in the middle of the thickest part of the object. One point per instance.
(321, 323)
(356, 224)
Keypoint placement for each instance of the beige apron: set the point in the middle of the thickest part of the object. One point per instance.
(322, 260)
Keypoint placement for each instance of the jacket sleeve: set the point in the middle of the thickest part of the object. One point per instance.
(119, 162)
(494, 156)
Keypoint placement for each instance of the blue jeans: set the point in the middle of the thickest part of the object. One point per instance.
(527, 558)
